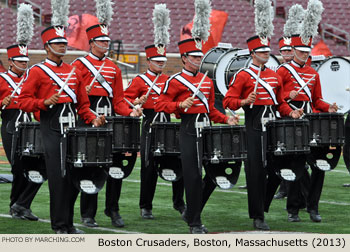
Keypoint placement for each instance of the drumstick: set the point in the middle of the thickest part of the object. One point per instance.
(231, 111)
(340, 107)
(301, 88)
(256, 85)
(65, 83)
(99, 70)
(293, 107)
(96, 114)
(14, 91)
(132, 105)
(199, 86)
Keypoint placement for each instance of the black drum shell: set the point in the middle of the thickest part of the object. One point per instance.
(126, 133)
(30, 142)
(165, 138)
(288, 136)
(94, 143)
(326, 128)
(229, 143)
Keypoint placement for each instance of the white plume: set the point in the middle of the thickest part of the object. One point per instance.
(104, 11)
(60, 12)
(161, 22)
(25, 22)
(312, 18)
(201, 22)
(296, 16)
(264, 15)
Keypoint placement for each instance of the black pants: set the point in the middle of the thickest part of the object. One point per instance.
(62, 191)
(197, 192)
(149, 173)
(22, 191)
(88, 202)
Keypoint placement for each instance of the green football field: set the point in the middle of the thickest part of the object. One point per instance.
(226, 210)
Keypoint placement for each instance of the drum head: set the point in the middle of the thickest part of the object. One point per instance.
(335, 82)
(89, 180)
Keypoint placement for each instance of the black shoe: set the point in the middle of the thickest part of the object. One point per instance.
(315, 216)
(74, 230)
(346, 185)
(60, 231)
(181, 209)
(117, 220)
(23, 213)
(198, 230)
(146, 214)
(184, 217)
(293, 218)
(260, 224)
(280, 195)
(89, 222)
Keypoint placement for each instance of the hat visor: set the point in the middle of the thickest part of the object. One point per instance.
(264, 49)
(58, 40)
(104, 38)
(303, 48)
(286, 48)
(159, 59)
(195, 54)
(20, 58)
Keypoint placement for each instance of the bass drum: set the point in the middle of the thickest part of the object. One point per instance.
(243, 61)
(215, 62)
(335, 81)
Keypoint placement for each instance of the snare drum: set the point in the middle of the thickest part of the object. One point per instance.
(288, 136)
(89, 147)
(224, 143)
(126, 133)
(30, 143)
(326, 129)
(165, 138)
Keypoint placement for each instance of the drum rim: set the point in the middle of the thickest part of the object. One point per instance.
(330, 58)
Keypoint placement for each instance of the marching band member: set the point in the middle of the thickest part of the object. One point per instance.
(294, 76)
(57, 111)
(137, 92)
(260, 86)
(105, 92)
(292, 26)
(22, 191)
(190, 95)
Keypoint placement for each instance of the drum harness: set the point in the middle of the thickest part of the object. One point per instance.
(162, 118)
(264, 120)
(199, 125)
(26, 118)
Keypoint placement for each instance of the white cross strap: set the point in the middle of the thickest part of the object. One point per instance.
(300, 80)
(99, 78)
(193, 88)
(10, 82)
(264, 84)
(59, 81)
(149, 83)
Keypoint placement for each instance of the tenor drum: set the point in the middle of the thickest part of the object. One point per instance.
(335, 81)
(30, 143)
(165, 138)
(288, 137)
(326, 129)
(224, 143)
(126, 133)
(89, 147)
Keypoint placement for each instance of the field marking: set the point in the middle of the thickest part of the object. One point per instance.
(80, 225)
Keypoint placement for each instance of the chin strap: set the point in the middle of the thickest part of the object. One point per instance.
(194, 64)
(57, 53)
(19, 68)
(301, 60)
(154, 64)
(261, 59)
(101, 47)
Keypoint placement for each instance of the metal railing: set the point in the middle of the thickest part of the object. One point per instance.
(333, 35)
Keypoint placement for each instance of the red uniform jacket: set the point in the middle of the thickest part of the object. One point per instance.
(139, 87)
(242, 84)
(39, 86)
(306, 73)
(6, 89)
(112, 75)
(175, 92)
